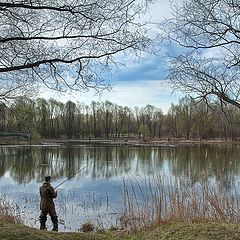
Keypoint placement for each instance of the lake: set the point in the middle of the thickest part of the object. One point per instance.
(96, 193)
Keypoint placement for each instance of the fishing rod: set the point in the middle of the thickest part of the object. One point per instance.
(73, 175)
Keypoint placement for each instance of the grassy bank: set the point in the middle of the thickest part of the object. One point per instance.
(169, 231)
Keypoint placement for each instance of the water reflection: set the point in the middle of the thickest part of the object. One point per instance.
(23, 168)
(26, 164)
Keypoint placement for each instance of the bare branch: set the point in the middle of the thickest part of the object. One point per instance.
(211, 30)
(48, 39)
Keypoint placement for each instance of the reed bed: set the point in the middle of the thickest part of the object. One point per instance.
(9, 213)
(146, 201)
(159, 199)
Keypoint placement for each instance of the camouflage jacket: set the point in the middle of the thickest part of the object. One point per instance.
(47, 194)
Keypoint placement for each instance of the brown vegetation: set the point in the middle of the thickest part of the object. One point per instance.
(149, 202)
(8, 213)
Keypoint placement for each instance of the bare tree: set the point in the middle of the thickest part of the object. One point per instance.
(210, 30)
(205, 79)
(66, 44)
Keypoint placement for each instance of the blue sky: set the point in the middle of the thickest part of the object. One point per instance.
(138, 83)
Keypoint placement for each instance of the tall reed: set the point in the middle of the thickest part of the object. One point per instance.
(9, 213)
(158, 199)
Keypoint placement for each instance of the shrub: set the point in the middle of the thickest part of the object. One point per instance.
(87, 227)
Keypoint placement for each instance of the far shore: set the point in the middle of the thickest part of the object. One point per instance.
(171, 142)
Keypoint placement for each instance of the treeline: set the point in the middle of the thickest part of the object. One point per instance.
(54, 119)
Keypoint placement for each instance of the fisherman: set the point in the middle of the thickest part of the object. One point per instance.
(47, 206)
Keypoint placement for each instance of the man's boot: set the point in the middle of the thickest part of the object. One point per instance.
(43, 223)
(55, 223)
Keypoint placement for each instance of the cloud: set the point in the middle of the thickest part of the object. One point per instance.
(149, 67)
(132, 94)
(137, 84)
(142, 92)
(138, 81)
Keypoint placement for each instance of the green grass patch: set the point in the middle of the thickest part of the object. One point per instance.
(167, 231)
(191, 231)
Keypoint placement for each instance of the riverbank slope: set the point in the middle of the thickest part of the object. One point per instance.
(169, 231)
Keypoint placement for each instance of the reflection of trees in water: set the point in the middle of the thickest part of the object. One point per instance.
(18, 161)
(198, 163)
(110, 162)
(3, 156)
(22, 169)
(204, 162)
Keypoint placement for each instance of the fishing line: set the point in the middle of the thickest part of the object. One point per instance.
(73, 175)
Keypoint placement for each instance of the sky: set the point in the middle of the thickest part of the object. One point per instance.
(139, 83)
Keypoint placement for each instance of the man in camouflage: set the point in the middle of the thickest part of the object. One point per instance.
(47, 206)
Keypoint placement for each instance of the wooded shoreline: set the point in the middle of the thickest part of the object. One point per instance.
(125, 141)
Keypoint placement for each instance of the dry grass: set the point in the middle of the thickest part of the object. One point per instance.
(166, 209)
(8, 213)
(156, 200)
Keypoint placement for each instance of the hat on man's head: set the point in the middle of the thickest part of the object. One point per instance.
(47, 178)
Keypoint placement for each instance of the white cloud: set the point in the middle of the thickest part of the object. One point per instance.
(212, 53)
(131, 94)
(129, 87)
(141, 93)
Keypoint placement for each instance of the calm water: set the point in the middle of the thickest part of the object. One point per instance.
(95, 193)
